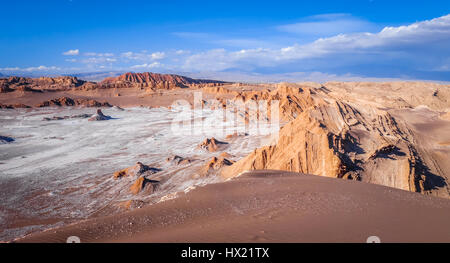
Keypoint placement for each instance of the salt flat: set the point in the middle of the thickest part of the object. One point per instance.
(61, 170)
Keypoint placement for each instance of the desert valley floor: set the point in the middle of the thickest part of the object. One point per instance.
(111, 162)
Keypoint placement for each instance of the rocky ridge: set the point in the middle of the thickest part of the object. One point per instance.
(147, 80)
(342, 139)
(39, 84)
(155, 81)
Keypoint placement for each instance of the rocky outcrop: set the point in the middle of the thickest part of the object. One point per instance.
(154, 81)
(178, 160)
(399, 95)
(220, 91)
(292, 99)
(145, 80)
(215, 164)
(66, 101)
(92, 103)
(66, 81)
(144, 186)
(57, 118)
(4, 88)
(212, 145)
(235, 135)
(99, 116)
(139, 169)
(39, 84)
(336, 139)
(141, 185)
(15, 106)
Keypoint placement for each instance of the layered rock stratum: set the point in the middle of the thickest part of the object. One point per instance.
(128, 80)
(39, 84)
(65, 101)
(141, 185)
(349, 131)
(155, 79)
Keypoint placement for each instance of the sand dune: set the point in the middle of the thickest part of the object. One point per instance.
(271, 206)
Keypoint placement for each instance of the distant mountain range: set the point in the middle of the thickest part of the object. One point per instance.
(148, 80)
(126, 78)
(96, 76)
(155, 78)
(132, 77)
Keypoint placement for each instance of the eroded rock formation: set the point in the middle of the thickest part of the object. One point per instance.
(178, 160)
(66, 101)
(139, 169)
(154, 81)
(39, 84)
(128, 80)
(15, 106)
(333, 138)
(293, 99)
(99, 116)
(212, 145)
(215, 164)
(143, 185)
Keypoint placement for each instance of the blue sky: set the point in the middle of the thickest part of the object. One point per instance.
(257, 40)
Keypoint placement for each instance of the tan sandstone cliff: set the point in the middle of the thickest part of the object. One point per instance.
(350, 140)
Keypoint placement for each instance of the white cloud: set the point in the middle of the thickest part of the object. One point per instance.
(94, 54)
(98, 60)
(43, 68)
(182, 52)
(192, 35)
(444, 66)
(31, 69)
(432, 38)
(72, 52)
(158, 55)
(328, 25)
(241, 42)
(144, 56)
(421, 46)
(252, 77)
(143, 66)
(10, 69)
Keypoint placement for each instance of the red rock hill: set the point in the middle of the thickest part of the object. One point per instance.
(155, 78)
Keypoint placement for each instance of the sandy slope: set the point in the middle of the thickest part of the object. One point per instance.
(432, 139)
(271, 206)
